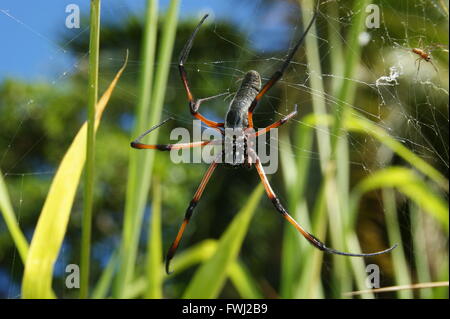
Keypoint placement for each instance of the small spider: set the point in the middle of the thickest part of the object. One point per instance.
(424, 55)
(239, 117)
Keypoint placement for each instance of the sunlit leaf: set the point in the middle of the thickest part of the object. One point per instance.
(151, 97)
(360, 124)
(243, 281)
(52, 224)
(363, 125)
(409, 183)
(186, 259)
(210, 277)
(11, 220)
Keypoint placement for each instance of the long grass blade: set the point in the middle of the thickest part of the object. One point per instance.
(94, 49)
(410, 184)
(11, 221)
(52, 224)
(103, 284)
(243, 281)
(401, 269)
(154, 253)
(422, 263)
(335, 198)
(406, 181)
(138, 160)
(340, 151)
(192, 256)
(290, 261)
(210, 277)
(295, 177)
(186, 259)
(347, 90)
(141, 163)
(357, 123)
(241, 278)
(309, 284)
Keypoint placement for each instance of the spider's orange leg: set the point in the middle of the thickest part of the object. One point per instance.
(312, 239)
(167, 147)
(188, 214)
(194, 105)
(279, 73)
(277, 123)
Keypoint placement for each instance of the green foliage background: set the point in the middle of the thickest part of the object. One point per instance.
(39, 121)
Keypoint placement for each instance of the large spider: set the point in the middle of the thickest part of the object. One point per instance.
(239, 117)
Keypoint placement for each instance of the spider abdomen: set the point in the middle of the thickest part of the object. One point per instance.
(237, 112)
(422, 54)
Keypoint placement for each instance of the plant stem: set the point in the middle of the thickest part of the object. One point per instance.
(141, 169)
(400, 264)
(11, 221)
(94, 43)
(154, 245)
(347, 90)
(138, 160)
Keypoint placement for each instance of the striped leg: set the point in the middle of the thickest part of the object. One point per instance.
(194, 105)
(277, 123)
(188, 215)
(279, 73)
(167, 147)
(313, 240)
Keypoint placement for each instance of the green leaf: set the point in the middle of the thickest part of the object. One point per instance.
(149, 109)
(11, 221)
(154, 250)
(191, 256)
(89, 172)
(52, 224)
(210, 277)
(360, 124)
(399, 261)
(409, 183)
(103, 284)
(243, 281)
(186, 259)
(363, 125)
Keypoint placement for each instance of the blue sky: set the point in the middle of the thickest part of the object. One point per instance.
(31, 29)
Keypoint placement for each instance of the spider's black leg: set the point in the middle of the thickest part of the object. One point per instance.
(277, 123)
(188, 214)
(194, 105)
(313, 240)
(167, 147)
(279, 73)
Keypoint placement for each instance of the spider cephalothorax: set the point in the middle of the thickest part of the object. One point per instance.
(238, 135)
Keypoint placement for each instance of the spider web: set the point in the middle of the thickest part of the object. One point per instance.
(407, 101)
(410, 104)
